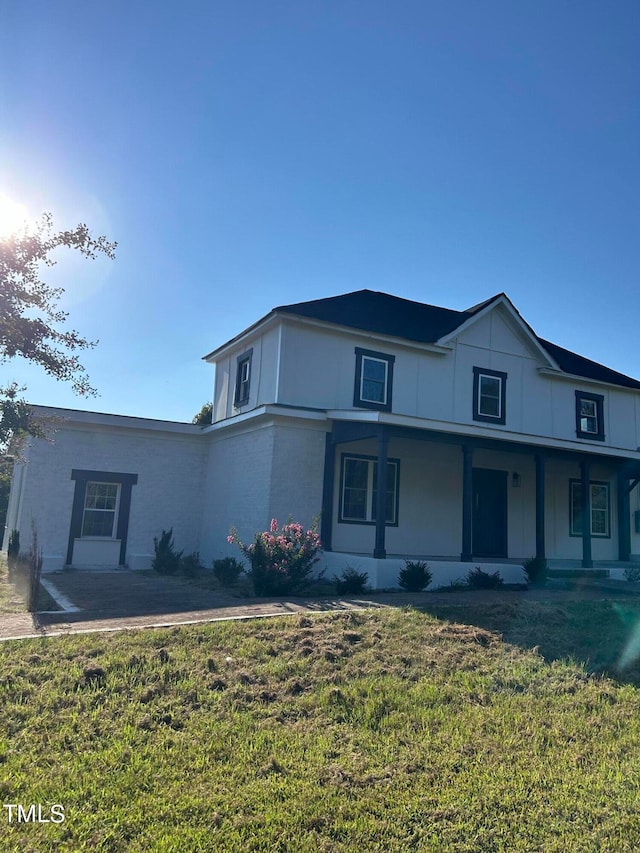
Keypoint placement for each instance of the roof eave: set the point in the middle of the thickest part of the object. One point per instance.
(265, 322)
(576, 378)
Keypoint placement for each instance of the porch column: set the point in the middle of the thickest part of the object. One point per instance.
(326, 518)
(540, 544)
(381, 493)
(587, 562)
(624, 521)
(467, 502)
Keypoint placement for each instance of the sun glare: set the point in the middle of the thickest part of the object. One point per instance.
(13, 215)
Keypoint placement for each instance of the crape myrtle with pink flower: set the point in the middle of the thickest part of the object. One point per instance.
(281, 558)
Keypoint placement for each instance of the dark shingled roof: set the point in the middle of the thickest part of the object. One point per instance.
(381, 313)
(570, 362)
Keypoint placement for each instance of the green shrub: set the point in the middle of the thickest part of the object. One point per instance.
(477, 579)
(13, 548)
(190, 565)
(415, 576)
(227, 570)
(351, 582)
(167, 559)
(536, 570)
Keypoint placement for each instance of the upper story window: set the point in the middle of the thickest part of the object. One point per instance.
(489, 395)
(590, 416)
(374, 380)
(100, 509)
(243, 378)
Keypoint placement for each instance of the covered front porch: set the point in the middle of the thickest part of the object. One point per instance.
(461, 498)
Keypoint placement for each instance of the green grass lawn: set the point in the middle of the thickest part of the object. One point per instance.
(383, 730)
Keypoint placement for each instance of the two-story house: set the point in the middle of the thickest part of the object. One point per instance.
(488, 443)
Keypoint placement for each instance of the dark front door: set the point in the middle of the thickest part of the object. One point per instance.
(489, 513)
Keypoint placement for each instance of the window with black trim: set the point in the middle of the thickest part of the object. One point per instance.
(358, 489)
(101, 508)
(599, 509)
(374, 380)
(489, 395)
(243, 378)
(590, 416)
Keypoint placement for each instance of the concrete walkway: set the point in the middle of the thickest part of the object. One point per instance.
(23, 625)
(118, 601)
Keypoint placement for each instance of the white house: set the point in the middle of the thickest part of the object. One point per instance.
(490, 445)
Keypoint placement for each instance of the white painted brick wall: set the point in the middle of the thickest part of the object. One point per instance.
(169, 491)
(268, 472)
(298, 470)
(199, 485)
(237, 489)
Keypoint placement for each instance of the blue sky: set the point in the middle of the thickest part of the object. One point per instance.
(250, 154)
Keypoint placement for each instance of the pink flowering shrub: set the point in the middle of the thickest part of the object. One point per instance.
(282, 559)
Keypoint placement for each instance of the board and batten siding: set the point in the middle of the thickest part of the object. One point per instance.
(317, 369)
(262, 385)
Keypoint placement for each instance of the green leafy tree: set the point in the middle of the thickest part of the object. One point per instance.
(30, 317)
(6, 467)
(204, 416)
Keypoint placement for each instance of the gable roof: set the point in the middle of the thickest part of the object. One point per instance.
(381, 313)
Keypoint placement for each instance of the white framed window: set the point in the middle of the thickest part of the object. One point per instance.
(374, 380)
(100, 510)
(358, 489)
(489, 395)
(599, 509)
(243, 378)
(590, 416)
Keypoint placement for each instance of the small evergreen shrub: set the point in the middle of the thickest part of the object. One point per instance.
(227, 570)
(536, 571)
(632, 574)
(351, 582)
(190, 565)
(13, 548)
(477, 579)
(415, 576)
(167, 559)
